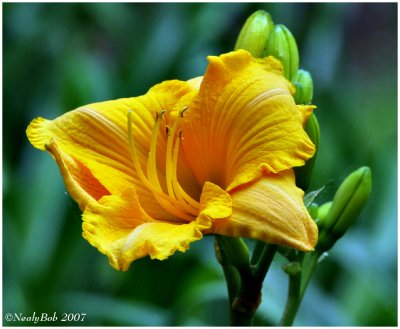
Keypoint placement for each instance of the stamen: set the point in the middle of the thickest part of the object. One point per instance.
(152, 159)
(180, 192)
(174, 188)
(177, 202)
(170, 205)
(168, 160)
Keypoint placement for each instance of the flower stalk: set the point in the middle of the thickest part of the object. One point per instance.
(299, 273)
(294, 292)
(244, 278)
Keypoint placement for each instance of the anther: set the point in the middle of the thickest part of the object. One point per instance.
(167, 130)
(180, 134)
(183, 110)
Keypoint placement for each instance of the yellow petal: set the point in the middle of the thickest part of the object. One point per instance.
(157, 240)
(82, 186)
(195, 82)
(215, 202)
(96, 136)
(244, 121)
(271, 209)
(306, 111)
(120, 228)
(111, 220)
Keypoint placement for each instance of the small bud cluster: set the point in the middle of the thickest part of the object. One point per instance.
(261, 37)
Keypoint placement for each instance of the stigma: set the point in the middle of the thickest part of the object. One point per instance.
(170, 195)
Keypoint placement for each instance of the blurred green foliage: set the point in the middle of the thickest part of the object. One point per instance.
(59, 56)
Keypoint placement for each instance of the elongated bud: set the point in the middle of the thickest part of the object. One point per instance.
(282, 45)
(303, 174)
(350, 199)
(254, 34)
(347, 204)
(304, 87)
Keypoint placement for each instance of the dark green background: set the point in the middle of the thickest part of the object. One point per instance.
(59, 56)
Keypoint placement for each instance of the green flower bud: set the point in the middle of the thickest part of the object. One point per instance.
(347, 204)
(304, 87)
(282, 45)
(350, 199)
(254, 33)
(303, 174)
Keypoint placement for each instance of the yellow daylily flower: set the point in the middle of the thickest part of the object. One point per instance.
(212, 155)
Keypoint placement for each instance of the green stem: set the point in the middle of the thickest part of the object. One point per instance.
(248, 299)
(257, 252)
(265, 257)
(310, 262)
(293, 301)
(298, 283)
(235, 250)
(231, 274)
(244, 287)
(239, 318)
